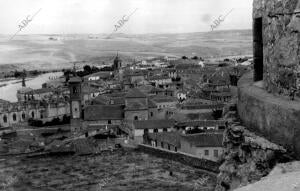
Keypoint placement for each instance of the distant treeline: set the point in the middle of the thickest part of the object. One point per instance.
(87, 70)
(193, 58)
(55, 121)
(20, 74)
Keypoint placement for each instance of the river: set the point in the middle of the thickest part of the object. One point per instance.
(9, 92)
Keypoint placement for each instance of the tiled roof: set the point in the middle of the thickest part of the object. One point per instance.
(75, 80)
(172, 138)
(102, 74)
(100, 100)
(136, 105)
(145, 88)
(159, 77)
(86, 88)
(151, 104)
(153, 124)
(221, 94)
(201, 106)
(202, 123)
(135, 93)
(41, 90)
(156, 89)
(105, 99)
(162, 98)
(118, 100)
(135, 73)
(103, 112)
(116, 94)
(204, 139)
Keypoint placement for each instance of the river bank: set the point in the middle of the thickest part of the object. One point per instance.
(9, 90)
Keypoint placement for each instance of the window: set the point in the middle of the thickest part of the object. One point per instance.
(23, 116)
(169, 147)
(75, 90)
(216, 153)
(14, 117)
(175, 149)
(165, 130)
(258, 49)
(109, 122)
(162, 145)
(5, 119)
(155, 130)
(206, 152)
(151, 114)
(136, 118)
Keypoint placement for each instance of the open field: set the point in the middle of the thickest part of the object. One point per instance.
(121, 170)
(38, 52)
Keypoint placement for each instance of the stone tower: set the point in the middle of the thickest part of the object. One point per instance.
(23, 78)
(117, 63)
(75, 102)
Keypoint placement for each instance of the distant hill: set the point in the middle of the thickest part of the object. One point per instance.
(38, 52)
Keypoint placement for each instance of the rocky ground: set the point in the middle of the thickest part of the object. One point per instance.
(121, 170)
(284, 177)
(247, 157)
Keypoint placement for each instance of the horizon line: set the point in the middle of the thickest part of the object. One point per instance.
(216, 31)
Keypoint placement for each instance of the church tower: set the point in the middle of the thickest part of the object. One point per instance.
(23, 78)
(117, 63)
(75, 102)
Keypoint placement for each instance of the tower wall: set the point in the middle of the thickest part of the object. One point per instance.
(281, 43)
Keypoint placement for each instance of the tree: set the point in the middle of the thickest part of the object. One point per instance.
(195, 58)
(95, 69)
(184, 57)
(67, 74)
(87, 69)
(17, 74)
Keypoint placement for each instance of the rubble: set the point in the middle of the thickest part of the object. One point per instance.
(247, 157)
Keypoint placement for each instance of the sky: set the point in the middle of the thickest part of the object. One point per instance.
(101, 16)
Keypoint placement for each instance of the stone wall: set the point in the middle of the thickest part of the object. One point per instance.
(281, 44)
(274, 117)
(247, 156)
(180, 157)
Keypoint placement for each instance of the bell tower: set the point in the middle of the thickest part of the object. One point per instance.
(117, 63)
(75, 102)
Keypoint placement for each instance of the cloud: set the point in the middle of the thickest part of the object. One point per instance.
(100, 16)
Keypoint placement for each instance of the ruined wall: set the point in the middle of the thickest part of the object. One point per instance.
(247, 156)
(281, 43)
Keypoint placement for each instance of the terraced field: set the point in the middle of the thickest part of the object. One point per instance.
(121, 170)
